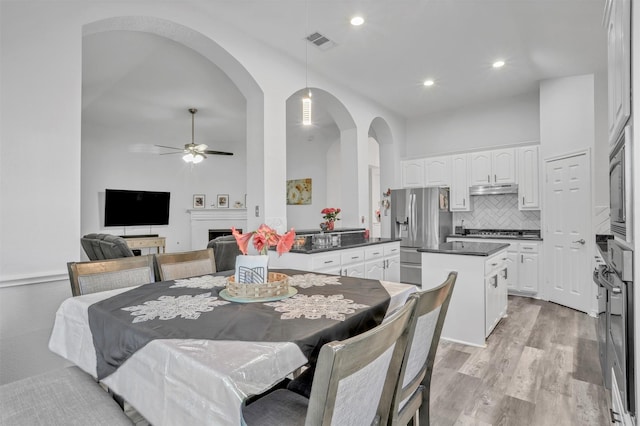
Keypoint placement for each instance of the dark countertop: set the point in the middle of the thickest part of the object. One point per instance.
(317, 231)
(497, 237)
(310, 249)
(470, 248)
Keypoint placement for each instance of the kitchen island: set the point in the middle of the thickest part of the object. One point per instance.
(479, 298)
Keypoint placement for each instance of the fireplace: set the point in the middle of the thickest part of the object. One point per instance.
(215, 233)
(205, 220)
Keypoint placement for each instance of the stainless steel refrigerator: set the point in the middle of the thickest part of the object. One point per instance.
(421, 218)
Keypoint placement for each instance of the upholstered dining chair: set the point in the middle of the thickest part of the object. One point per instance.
(101, 275)
(353, 385)
(174, 266)
(67, 396)
(225, 250)
(424, 335)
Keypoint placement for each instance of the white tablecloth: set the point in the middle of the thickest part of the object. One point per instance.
(186, 381)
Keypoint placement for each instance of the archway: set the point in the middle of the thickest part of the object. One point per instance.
(324, 152)
(380, 175)
(238, 76)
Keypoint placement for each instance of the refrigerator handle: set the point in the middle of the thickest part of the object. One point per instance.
(412, 222)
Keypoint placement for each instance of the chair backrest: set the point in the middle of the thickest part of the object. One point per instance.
(425, 329)
(174, 266)
(101, 275)
(355, 378)
(105, 246)
(225, 251)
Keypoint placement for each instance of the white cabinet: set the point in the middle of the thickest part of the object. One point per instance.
(412, 173)
(495, 291)
(378, 261)
(459, 194)
(529, 178)
(618, 23)
(523, 261)
(437, 171)
(493, 167)
(382, 262)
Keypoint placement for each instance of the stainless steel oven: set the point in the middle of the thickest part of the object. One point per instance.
(617, 280)
(620, 186)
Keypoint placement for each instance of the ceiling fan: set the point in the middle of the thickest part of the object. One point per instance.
(193, 153)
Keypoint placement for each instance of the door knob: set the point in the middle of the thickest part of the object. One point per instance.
(580, 241)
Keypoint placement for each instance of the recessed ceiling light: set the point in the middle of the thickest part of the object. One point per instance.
(428, 83)
(356, 21)
(498, 64)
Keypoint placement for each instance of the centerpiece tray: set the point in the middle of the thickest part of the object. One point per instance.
(276, 288)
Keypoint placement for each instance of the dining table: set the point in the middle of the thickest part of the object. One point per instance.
(186, 352)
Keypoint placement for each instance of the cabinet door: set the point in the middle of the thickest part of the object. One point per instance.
(503, 166)
(528, 178)
(512, 269)
(412, 173)
(491, 305)
(437, 171)
(619, 65)
(459, 197)
(480, 170)
(528, 272)
(392, 269)
(355, 270)
(374, 269)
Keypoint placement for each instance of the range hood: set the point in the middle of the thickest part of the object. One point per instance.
(493, 189)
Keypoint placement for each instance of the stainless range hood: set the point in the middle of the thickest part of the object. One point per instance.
(493, 189)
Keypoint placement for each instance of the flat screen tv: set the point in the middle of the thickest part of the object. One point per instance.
(130, 208)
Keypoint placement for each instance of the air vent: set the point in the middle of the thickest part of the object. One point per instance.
(320, 41)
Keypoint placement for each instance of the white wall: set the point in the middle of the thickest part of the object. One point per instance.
(40, 107)
(508, 121)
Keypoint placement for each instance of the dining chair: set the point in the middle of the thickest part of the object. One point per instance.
(66, 396)
(425, 327)
(225, 250)
(353, 385)
(174, 266)
(100, 275)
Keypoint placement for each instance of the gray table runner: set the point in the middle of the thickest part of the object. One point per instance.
(326, 308)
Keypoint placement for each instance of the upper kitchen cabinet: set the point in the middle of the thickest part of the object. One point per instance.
(437, 171)
(529, 178)
(412, 173)
(459, 195)
(618, 23)
(493, 167)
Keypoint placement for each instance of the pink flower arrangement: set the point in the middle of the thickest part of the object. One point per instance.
(263, 238)
(330, 214)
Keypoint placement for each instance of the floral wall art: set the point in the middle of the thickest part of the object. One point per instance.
(299, 191)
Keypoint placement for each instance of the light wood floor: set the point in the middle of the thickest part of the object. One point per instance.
(540, 367)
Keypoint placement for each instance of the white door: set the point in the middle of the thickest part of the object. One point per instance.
(567, 214)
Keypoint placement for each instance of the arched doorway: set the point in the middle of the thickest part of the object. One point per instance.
(380, 176)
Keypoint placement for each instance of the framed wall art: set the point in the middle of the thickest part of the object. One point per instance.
(223, 201)
(198, 201)
(299, 191)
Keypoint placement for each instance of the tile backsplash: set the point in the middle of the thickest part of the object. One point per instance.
(497, 212)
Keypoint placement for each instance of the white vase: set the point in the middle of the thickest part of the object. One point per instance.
(252, 269)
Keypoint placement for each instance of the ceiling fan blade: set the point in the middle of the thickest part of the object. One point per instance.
(217, 152)
(169, 147)
(171, 153)
(201, 147)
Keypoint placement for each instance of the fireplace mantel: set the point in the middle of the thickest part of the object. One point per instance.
(204, 219)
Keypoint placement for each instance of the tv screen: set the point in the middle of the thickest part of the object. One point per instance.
(129, 208)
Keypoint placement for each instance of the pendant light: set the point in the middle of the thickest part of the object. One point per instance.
(306, 98)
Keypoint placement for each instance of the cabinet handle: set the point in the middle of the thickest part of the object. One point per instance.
(488, 179)
(463, 202)
(614, 419)
(495, 178)
(328, 261)
(523, 200)
(376, 253)
(354, 257)
(494, 264)
(522, 258)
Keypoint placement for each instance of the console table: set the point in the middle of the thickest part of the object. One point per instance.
(145, 242)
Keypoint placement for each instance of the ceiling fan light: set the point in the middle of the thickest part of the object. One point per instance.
(188, 158)
(197, 158)
(306, 110)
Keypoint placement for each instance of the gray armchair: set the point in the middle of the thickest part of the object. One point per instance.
(105, 246)
(225, 250)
